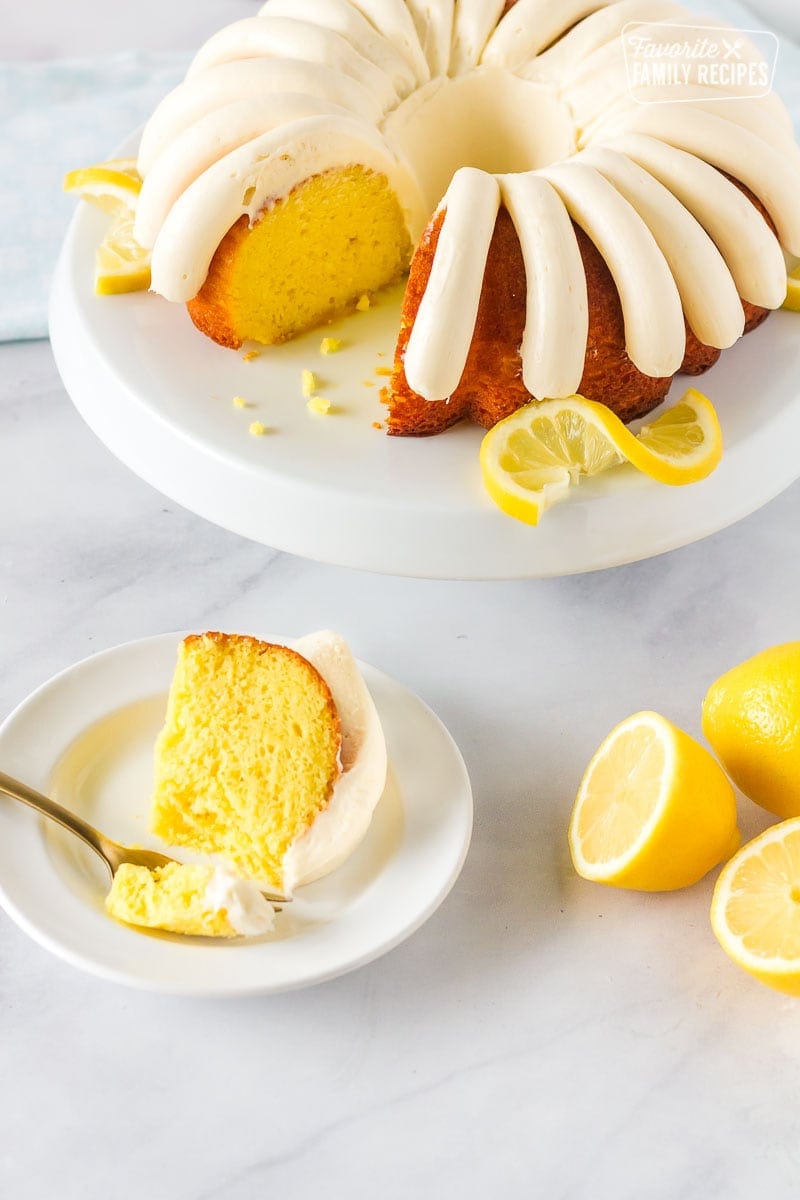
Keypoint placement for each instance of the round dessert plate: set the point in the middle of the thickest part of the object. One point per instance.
(334, 488)
(86, 737)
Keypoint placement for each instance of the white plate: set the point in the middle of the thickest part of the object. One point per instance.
(87, 737)
(332, 488)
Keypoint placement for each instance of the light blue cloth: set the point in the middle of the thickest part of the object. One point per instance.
(60, 115)
(55, 116)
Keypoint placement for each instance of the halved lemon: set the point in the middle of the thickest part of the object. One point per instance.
(530, 460)
(113, 186)
(755, 912)
(654, 810)
(792, 300)
(121, 264)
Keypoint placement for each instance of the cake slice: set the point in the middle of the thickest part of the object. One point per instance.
(249, 753)
(202, 901)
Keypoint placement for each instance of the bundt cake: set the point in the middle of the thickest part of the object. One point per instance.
(271, 756)
(568, 238)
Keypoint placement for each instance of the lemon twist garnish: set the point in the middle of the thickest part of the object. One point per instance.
(121, 264)
(531, 459)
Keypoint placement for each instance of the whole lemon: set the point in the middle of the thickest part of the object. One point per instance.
(751, 717)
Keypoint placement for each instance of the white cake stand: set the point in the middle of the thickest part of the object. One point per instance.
(336, 489)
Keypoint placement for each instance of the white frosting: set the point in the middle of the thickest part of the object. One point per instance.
(751, 252)
(655, 336)
(434, 23)
(444, 326)
(338, 829)
(416, 89)
(530, 26)
(256, 79)
(340, 17)
(394, 20)
(474, 22)
(245, 907)
(557, 316)
(707, 291)
(250, 178)
(283, 37)
(208, 140)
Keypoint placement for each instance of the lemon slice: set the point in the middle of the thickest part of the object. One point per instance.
(121, 264)
(755, 912)
(113, 186)
(792, 300)
(531, 459)
(654, 810)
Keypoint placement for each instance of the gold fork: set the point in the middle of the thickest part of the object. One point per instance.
(111, 852)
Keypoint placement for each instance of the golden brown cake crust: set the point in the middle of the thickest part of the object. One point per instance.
(491, 386)
(210, 310)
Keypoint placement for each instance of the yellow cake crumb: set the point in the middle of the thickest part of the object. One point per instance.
(309, 383)
(318, 405)
(377, 425)
(251, 354)
(172, 897)
(364, 303)
(369, 383)
(330, 345)
(383, 370)
(248, 755)
(239, 402)
(257, 429)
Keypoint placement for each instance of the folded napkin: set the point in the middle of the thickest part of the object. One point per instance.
(60, 115)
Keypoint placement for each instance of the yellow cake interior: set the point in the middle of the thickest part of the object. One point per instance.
(248, 755)
(171, 898)
(335, 237)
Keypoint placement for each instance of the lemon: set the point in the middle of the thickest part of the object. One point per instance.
(755, 912)
(531, 459)
(654, 810)
(751, 718)
(792, 300)
(121, 264)
(113, 186)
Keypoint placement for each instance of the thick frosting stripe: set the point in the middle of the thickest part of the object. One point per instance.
(530, 26)
(283, 37)
(707, 291)
(393, 19)
(210, 139)
(597, 30)
(341, 17)
(655, 335)
(256, 79)
(557, 314)
(443, 330)
(746, 242)
(768, 173)
(245, 180)
(474, 22)
(434, 23)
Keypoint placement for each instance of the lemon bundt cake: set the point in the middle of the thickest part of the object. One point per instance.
(568, 237)
(271, 756)
(201, 901)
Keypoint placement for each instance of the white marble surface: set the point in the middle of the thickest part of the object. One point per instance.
(539, 1037)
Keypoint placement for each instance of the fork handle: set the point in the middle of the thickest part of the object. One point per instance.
(43, 804)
